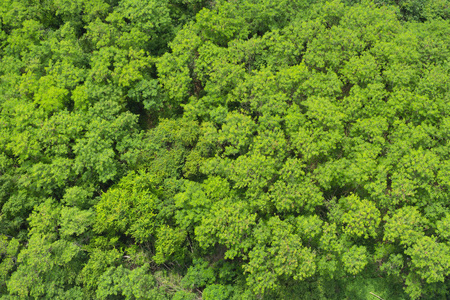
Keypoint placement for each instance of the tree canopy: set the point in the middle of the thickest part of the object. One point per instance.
(193, 149)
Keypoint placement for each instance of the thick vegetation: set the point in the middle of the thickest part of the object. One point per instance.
(247, 149)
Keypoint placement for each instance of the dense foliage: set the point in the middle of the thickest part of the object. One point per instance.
(247, 149)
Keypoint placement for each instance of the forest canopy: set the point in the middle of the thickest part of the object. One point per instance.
(245, 149)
